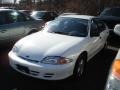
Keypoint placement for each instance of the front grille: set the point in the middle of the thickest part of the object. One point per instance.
(35, 73)
(34, 61)
(48, 75)
(26, 70)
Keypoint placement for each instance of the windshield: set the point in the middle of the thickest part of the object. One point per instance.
(68, 26)
(111, 12)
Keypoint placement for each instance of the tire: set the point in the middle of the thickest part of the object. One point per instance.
(79, 67)
(105, 45)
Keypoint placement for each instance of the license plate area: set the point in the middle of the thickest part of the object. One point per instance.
(23, 68)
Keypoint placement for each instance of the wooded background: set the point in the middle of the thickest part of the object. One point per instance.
(91, 7)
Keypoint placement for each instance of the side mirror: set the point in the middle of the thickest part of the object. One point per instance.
(94, 34)
(117, 29)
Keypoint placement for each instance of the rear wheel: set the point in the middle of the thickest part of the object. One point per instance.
(79, 67)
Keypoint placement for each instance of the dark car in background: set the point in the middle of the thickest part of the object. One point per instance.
(111, 16)
(15, 25)
(44, 15)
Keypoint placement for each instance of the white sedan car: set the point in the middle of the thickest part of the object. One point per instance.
(61, 49)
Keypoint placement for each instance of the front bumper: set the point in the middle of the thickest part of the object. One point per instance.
(113, 83)
(38, 70)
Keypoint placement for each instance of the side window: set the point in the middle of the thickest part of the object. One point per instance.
(101, 26)
(25, 17)
(6, 17)
(2, 19)
(21, 18)
(12, 16)
(93, 28)
(17, 17)
(28, 18)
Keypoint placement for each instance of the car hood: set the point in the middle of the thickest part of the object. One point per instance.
(39, 45)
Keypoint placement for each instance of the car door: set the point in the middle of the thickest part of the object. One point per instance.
(22, 25)
(93, 41)
(104, 32)
(17, 29)
(31, 25)
(26, 22)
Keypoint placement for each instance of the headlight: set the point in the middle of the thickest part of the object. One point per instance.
(15, 49)
(113, 83)
(56, 60)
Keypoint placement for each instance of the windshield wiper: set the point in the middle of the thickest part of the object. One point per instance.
(59, 32)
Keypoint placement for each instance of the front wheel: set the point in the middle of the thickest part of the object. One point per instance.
(105, 45)
(79, 67)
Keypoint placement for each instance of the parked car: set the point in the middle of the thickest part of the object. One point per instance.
(15, 25)
(61, 49)
(44, 15)
(111, 16)
(117, 29)
(113, 82)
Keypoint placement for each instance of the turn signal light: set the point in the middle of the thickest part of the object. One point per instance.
(116, 69)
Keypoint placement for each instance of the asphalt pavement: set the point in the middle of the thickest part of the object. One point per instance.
(94, 78)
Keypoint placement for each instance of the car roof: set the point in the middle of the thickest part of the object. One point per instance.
(87, 17)
(25, 10)
(6, 9)
(69, 13)
(40, 11)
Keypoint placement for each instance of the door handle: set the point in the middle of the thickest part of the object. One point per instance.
(3, 31)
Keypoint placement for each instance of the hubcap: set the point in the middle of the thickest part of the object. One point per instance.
(80, 67)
